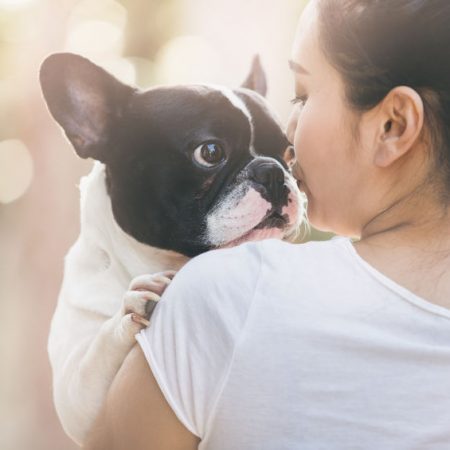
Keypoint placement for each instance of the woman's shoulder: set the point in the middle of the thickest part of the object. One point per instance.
(272, 248)
(218, 278)
(240, 268)
(311, 253)
(215, 264)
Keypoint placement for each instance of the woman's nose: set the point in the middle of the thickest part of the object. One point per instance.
(292, 125)
(289, 156)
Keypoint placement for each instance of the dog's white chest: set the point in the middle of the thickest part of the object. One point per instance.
(105, 259)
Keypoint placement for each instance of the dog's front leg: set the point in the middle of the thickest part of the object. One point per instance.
(82, 383)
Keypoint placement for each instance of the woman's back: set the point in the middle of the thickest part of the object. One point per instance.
(418, 261)
(310, 343)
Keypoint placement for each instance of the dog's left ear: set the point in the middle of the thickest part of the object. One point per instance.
(256, 79)
(85, 100)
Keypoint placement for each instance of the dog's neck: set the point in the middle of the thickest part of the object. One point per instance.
(99, 226)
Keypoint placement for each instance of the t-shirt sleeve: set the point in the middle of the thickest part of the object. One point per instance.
(193, 331)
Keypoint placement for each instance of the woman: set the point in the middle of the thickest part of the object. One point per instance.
(324, 345)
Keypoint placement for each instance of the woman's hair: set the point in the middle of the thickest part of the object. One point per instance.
(377, 45)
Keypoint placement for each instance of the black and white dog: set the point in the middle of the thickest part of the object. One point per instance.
(179, 170)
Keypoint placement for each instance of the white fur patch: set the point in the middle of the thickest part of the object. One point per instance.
(239, 212)
(244, 208)
(239, 104)
(105, 258)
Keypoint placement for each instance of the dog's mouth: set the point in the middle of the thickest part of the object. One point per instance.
(272, 225)
(273, 220)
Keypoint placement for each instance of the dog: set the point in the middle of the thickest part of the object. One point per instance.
(178, 171)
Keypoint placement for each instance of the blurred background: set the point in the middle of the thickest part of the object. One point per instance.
(142, 42)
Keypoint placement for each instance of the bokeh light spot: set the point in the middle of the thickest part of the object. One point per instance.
(121, 68)
(16, 170)
(106, 10)
(94, 37)
(14, 4)
(188, 59)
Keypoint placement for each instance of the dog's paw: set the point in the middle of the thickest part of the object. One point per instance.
(143, 294)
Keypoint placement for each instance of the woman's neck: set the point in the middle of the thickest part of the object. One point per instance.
(417, 217)
(410, 243)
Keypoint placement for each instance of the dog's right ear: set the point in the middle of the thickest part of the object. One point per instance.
(84, 99)
(256, 79)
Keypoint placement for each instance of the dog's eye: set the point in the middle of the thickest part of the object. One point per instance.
(209, 155)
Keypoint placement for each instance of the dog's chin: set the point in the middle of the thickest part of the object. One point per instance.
(256, 234)
(274, 226)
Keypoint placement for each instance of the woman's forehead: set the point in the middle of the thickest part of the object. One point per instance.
(305, 48)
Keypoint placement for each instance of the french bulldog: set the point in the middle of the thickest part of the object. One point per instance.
(178, 170)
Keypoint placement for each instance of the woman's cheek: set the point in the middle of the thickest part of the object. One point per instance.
(304, 137)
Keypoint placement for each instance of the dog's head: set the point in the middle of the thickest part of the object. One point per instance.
(188, 168)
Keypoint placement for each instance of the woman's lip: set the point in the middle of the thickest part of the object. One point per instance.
(296, 172)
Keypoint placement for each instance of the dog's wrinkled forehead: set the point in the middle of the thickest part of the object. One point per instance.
(186, 116)
(107, 120)
(192, 114)
(269, 138)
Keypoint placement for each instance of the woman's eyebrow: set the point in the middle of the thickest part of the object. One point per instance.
(298, 68)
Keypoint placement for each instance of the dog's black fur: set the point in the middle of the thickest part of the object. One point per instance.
(160, 195)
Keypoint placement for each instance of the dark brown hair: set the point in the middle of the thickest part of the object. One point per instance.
(377, 45)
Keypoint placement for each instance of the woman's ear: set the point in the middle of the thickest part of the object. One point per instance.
(402, 117)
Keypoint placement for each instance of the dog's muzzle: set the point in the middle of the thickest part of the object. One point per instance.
(269, 177)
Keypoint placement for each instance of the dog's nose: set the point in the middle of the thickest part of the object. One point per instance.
(271, 176)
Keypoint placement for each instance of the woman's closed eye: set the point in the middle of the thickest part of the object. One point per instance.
(299, 100)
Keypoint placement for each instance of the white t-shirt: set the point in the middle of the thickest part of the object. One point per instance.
(273, 346)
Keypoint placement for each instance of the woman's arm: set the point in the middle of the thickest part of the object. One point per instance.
(136, 415)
